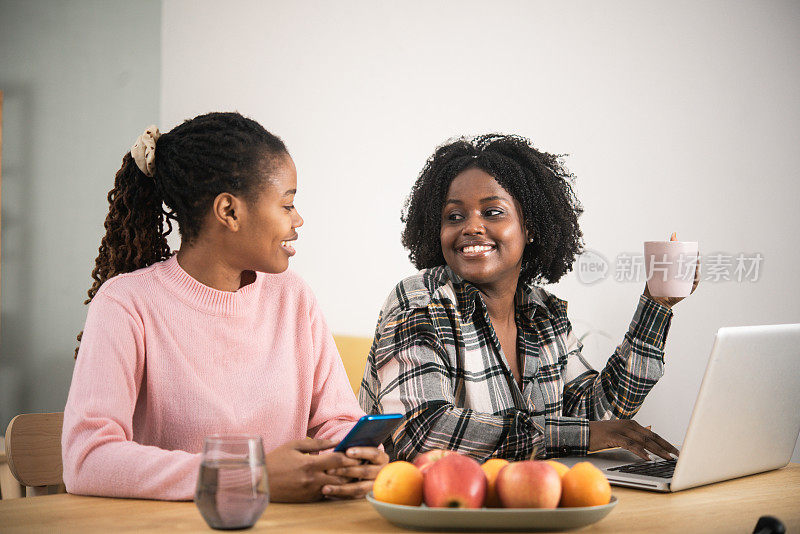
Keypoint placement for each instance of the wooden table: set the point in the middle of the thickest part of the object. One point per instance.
(732, 506)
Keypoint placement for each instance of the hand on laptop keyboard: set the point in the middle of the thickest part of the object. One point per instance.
(663, 469)
(630, 435)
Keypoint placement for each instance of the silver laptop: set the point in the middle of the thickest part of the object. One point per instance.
(746, 418)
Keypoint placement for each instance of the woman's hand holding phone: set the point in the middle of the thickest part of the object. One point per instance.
(296, 474)
(360, 477)
(347, 472)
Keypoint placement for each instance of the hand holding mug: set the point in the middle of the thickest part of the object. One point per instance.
(669, 302)
(673, 270)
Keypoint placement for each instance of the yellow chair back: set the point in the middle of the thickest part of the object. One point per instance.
(353, 351)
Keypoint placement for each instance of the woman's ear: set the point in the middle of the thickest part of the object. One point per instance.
(227, 210)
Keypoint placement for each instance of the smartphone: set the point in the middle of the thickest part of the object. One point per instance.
(370, 431)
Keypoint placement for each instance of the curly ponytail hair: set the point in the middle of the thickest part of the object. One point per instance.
(535, 179)
(196, 161)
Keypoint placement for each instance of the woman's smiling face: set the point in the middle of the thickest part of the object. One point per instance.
(269, 230)
(483, 234)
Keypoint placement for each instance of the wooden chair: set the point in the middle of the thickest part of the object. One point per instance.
(9, 487)
(33, 451)
(354, 351)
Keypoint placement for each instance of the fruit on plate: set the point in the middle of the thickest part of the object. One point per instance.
(426, 459)
(529, 484)
(398, 483)
(491, 468)
(561, 468)
(455, 481)
(585, 485)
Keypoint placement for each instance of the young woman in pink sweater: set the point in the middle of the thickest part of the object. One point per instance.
(219, 338)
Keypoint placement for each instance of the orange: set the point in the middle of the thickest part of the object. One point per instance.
(491, 468)
(561, 468)
(399, 483)
(584, 485)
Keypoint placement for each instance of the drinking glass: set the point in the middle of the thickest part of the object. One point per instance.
(232, 490)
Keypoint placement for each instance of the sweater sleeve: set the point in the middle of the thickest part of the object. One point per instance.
(99, 454)
(334, 408)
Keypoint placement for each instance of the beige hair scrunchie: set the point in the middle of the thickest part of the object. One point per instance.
(144, 150)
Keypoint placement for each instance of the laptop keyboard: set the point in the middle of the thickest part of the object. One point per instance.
(660, 469)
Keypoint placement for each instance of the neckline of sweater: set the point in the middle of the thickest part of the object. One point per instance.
(203, 297)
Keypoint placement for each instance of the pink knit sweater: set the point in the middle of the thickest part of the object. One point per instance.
(166, 361)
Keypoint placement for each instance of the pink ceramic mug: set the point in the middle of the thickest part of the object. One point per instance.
(669, 267)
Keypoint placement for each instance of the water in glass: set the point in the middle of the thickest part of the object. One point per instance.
(232, 490)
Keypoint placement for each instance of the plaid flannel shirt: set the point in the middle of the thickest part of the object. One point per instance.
(436, 359)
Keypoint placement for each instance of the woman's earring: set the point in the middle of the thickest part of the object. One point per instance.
(530, 240)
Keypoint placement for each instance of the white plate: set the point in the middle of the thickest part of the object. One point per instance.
(530, 519)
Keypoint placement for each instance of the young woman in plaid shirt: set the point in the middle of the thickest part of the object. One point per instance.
(471, 350)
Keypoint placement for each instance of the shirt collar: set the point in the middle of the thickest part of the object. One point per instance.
(527, 299)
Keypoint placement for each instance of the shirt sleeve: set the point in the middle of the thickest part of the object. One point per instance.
(408, 372)
(618, 391)
(99, 454)
(334, 408)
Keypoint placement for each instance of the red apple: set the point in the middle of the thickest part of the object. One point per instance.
(529, 484)
(455, 481)
(426, 459)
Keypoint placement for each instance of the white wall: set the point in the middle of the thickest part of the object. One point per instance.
(679, 116)
(80, 80)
